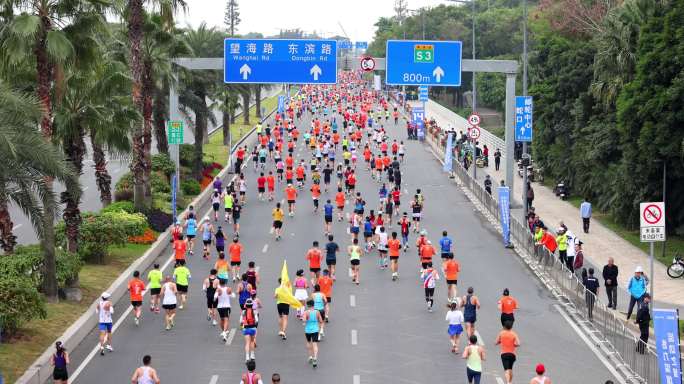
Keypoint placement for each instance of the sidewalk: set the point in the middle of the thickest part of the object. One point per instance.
(599, 244)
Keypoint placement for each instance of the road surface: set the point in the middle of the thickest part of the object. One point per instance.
(379, 331)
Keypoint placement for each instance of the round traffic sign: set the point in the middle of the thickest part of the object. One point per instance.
(474, 119)
(367, 63)
(474, 133)
(652, 214)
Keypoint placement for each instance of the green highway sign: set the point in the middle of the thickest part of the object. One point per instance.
(423, 53)
(174, 132)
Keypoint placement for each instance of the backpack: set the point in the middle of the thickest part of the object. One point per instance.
(248, 320)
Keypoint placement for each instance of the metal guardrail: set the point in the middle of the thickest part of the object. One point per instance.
(610, 332)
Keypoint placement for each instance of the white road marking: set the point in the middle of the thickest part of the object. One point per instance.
(356, 379)
(17, 227)
(85, 189)
(231, 336)
(354, 337)
(352, 300)
(118, 323)
(499, 380)
(480, 340)
(265, 248)
(214, 379)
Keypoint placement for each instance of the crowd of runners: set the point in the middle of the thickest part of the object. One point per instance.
(347, 137)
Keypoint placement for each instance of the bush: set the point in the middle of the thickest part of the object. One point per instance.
(162, 163)
(159, 221)
(20, 302)
(124, 195)
(119, 206)
(159, 183)
(191, 187)
(125, 183)
(187, 154)
(27, 262)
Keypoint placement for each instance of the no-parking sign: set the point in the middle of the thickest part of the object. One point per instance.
(652, 219)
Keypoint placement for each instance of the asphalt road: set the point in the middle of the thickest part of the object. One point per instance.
(379, 331)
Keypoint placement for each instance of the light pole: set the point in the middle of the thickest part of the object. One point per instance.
(524, 86)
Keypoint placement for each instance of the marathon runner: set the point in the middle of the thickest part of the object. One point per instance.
(136, 289)
(181, 275)
(209, 286)
(154, 278)
(105, 310)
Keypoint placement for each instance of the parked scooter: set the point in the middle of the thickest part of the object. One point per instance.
(561, 190)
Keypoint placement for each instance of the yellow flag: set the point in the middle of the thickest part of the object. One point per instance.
(284, 292)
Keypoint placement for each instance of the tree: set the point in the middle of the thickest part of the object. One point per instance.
(29, 163)
(227, 102)
(37, 36)
(246, 97)
(232, 16)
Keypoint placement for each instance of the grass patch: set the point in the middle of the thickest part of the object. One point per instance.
(216, 151)
(17, 354)
(673, 245)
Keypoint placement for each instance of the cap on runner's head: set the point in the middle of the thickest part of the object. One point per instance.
(423, 232)
(249, 302)
(639, 269)
(540, 369)
(106, 295)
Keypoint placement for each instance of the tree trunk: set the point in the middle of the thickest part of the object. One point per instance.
(45, 74)
(74, 149)
(225, 122)
(257, 98)
(102, 178)
(148, 93)
(245, 107)
(200, 127)
(7, 239)
(159, 115)
(135, 36)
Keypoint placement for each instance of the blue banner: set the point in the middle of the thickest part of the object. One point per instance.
(523, 118)
(281, 104)
(174, 187)
(417, 116)
(666, 326)
(448, 152)
(505, 213)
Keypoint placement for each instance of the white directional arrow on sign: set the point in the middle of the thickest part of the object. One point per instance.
(316, 71)
(438, 73)
(522, 131)
(245, 70)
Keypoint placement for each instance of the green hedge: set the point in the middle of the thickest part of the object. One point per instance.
(119, 206)
(191, 187)
(20, 302)
(161, 162)
(27, 262)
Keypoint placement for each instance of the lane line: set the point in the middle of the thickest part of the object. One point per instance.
(356, 379)
(591, 345)
(17, 227)
(118, 323)
(231, 336)
(354, 337)
(499, 380)
(352, 300)
(85, 189)
(214, 379)
(265, 249)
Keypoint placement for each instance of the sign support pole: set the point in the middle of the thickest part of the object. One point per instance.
(652, 276)
(174, 148)
(510, 126)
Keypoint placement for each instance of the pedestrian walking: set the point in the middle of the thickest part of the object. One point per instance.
(540, 378)
(637, 289)
(591, 283)
(509, 342)
(497, 158)
(530, 195)
(610, 276)
(474, 355)
(145, 374)
(60, 361)
(585, 213)
(643, 319)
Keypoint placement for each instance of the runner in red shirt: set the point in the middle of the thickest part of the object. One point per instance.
(300, 176)
(291, 195)
(289, 175)
(261, 185)
(270, 182)
(136, 288)
(340, 200)
(315, 195)
(313, 256)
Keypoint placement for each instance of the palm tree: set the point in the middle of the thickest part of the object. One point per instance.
(38, 36)
(135, 15)
(246, 96)
(198, 85)
(29, 164)
(226, 97)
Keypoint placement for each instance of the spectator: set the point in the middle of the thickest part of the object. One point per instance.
(579, 256)
(548, 241)
(591, 283)
(637, 290)
(610, 275)
(488, 184)
(530, 195)
(485, 154)
(562, 241)
(643, 319)
(585, 212)
(497, 159)
(570, 256)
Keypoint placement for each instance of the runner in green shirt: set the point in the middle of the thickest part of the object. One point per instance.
(228, 205)
(182, 275)
(154, 278)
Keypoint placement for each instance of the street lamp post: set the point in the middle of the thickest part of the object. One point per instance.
(524, 85)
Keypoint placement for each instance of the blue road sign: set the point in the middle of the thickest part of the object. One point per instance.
(417, 116)
(280, 61)
(523, 118)
(423, 93)
(344, 44)
(436, 63)
(666, 326)
(361, 45)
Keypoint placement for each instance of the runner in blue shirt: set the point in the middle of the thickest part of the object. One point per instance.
(327, 217)
(191, 231)
(445, 247)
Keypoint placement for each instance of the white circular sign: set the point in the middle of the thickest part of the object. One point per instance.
(474, 133)
(474, 119)
(367, 63)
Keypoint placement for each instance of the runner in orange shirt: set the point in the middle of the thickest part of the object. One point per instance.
(136, 288)
(394, 246)
(326, 284)
(378, 168)
(340, 199)
(289, 175)
(300, 173)
(315, 195)
(180, 247)
(270, 182)
(291, 195)
(507, 305)
(451, 269)
(235, 252)
(313, 255)
(426, 253)
(509, 341)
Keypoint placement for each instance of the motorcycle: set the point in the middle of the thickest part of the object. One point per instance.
(676, 269)
(561, 190)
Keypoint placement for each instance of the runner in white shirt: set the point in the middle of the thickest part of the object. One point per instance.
(455, 318)
(381, 239)
(223, 295)
(104, 310)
